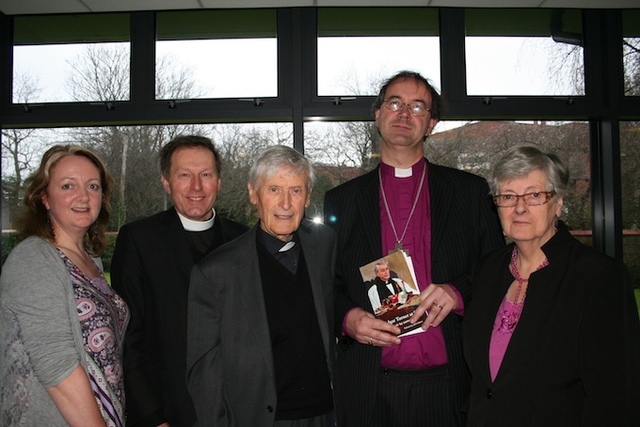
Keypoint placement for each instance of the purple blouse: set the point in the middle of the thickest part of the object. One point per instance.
(501, 333)
(103, 316)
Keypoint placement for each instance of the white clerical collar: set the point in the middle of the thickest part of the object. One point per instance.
(191, 225)
(287, 246)
(403, 172)
(396, 172)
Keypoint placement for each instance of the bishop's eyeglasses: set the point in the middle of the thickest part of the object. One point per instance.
(415, 108)
(535, 198)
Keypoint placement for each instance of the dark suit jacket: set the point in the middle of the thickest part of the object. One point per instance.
(230, 371)
(464, 227)
(151, 268)
(574, 357)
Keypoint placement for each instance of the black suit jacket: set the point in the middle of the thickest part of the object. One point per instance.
(150, 269)
(230, 370)
(573, 359)
(464, 227)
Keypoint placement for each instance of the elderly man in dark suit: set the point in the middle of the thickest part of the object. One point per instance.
(444, 219)
(151, 268)
(260, 342)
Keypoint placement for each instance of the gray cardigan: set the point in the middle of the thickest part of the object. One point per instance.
(39, 331)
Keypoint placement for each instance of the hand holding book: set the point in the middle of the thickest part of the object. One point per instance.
(437, 301)
(392, 291)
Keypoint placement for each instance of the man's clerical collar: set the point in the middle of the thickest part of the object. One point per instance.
(275, 245)
(191, 225)
(400, 172)
(403, 172)
(287, 246)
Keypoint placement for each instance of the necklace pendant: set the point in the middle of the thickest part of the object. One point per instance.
(509, 318)
(399, 248)
(413, 208)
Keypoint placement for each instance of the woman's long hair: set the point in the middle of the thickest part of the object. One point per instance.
(34, 220)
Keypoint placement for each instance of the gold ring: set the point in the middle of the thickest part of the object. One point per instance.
(437, 305)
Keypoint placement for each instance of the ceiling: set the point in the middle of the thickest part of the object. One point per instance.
(29, 7)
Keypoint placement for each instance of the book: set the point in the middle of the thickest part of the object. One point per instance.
(393, 291)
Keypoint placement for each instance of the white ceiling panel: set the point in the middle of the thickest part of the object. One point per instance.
(371, 3)
(592, 4)
(13, 7)
(230, 4)
(486, 3)
(26, 7)
(120, 5)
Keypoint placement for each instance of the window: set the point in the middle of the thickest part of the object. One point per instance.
(216, 54)
(631, 51)
(476, 146)
(629, 154)
(360, 47)
(524, 52)
(356, 48)
(53, 52)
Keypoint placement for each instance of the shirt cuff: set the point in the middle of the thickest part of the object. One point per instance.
(344, 322)
(459, 310)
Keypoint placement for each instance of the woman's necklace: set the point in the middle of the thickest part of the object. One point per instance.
(509, 317)
(413, 208)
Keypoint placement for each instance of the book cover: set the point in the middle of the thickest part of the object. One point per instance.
(393, 291)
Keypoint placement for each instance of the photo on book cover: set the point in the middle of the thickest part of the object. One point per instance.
(392, 290)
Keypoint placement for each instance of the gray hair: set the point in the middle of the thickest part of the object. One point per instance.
(378, 264)
(519, 161)
(277, 157)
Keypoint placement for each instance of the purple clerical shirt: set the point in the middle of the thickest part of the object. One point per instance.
(425, 349)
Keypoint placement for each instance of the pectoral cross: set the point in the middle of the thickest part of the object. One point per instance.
(399, 248)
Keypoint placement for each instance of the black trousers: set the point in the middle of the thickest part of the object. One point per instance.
(415, 398)
(326, 420)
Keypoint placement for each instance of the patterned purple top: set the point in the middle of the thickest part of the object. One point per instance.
(502, 332)
(103, 316)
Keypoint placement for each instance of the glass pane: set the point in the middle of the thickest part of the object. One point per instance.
(629, 154)
(138, 191)
(351, 147)
(359, 48)
(21, 152)
(524, 52)
(476, 146)
(339, 151)
(631, 52)
(240, 145)
(631, 58)
(344, 150)
(57, 57)
(216, 54)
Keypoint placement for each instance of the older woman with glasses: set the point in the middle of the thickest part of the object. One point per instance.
(552, 336)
